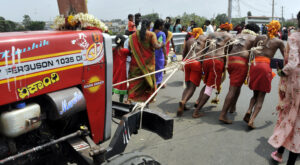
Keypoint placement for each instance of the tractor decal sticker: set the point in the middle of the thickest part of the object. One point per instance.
(67, 105)
(95, 51)
(81, 41)
(29, 48)
(81, 146)
(38, 85)
(93, 84)
(96, 37)
(30, 67)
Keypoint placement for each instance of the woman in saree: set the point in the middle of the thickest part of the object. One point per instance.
(160, 60)
(142, 44)
(286, 133)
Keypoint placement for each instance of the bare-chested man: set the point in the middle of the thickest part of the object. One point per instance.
(238, 68)
(193, 70)
(260, 74)
(213, 68)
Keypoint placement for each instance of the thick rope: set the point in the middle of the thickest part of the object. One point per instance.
(255, 48)
(145, 75)
(181, 63)
(233, 42)
(176, 67)
(144, 104)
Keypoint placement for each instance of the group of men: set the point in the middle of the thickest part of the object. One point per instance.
(246, 57)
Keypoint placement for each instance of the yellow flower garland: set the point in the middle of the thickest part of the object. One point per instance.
(71, 21)
(85, 20)
(273, 28)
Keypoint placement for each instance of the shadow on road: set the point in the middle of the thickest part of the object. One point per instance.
(167, 106)
(263, 149)
(176, 84)
(211, 117)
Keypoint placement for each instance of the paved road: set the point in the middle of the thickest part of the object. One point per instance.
(205, 141)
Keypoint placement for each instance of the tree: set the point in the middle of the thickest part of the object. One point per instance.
(26, 21)
(289, 23)
(249, 13)
(7, 25)
(36, 25)
(2, 24)
(151, 17)
(32, 25)
(187, 18)
(10, 26)
(220, 19)
(236, 21)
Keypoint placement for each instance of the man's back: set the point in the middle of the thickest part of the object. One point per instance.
(217, 41)
(245, 42)
(269, 46)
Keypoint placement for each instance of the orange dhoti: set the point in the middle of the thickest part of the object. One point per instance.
(213, 70)
(237, 69)
(193, 72)
(260, 75)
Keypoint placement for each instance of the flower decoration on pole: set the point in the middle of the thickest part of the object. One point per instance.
(273, 28)
(79, 21)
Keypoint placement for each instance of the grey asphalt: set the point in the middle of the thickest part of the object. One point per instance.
(205, 141)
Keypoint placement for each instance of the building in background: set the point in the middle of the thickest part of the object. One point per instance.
(261, 20)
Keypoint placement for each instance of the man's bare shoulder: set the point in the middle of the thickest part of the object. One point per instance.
(250, 37)
(190, 41)
(212, 35)
(227, 36)
(278, 40)
(261, 37)
(202, 38)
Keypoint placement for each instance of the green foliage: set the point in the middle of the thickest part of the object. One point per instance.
(151, 17)
(236, 21)
(36, 25)
(11, 26)
(26, 21)
(27, 24)
(2, 24)
(220, 19)
(187, 18)
(7, 25)
(32, 25)
(290, 23)
(249, 13)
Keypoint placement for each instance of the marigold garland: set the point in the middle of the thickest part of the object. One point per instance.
(71, 20)
(197, 32)
(226, 26)
(273, 28)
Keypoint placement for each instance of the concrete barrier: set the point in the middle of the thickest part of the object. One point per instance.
(178, 39)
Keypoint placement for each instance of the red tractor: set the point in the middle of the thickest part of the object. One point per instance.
(56, 100)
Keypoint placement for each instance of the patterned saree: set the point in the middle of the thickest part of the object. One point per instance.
(143, 62)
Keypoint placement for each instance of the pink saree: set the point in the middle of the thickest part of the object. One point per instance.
(287, 129)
